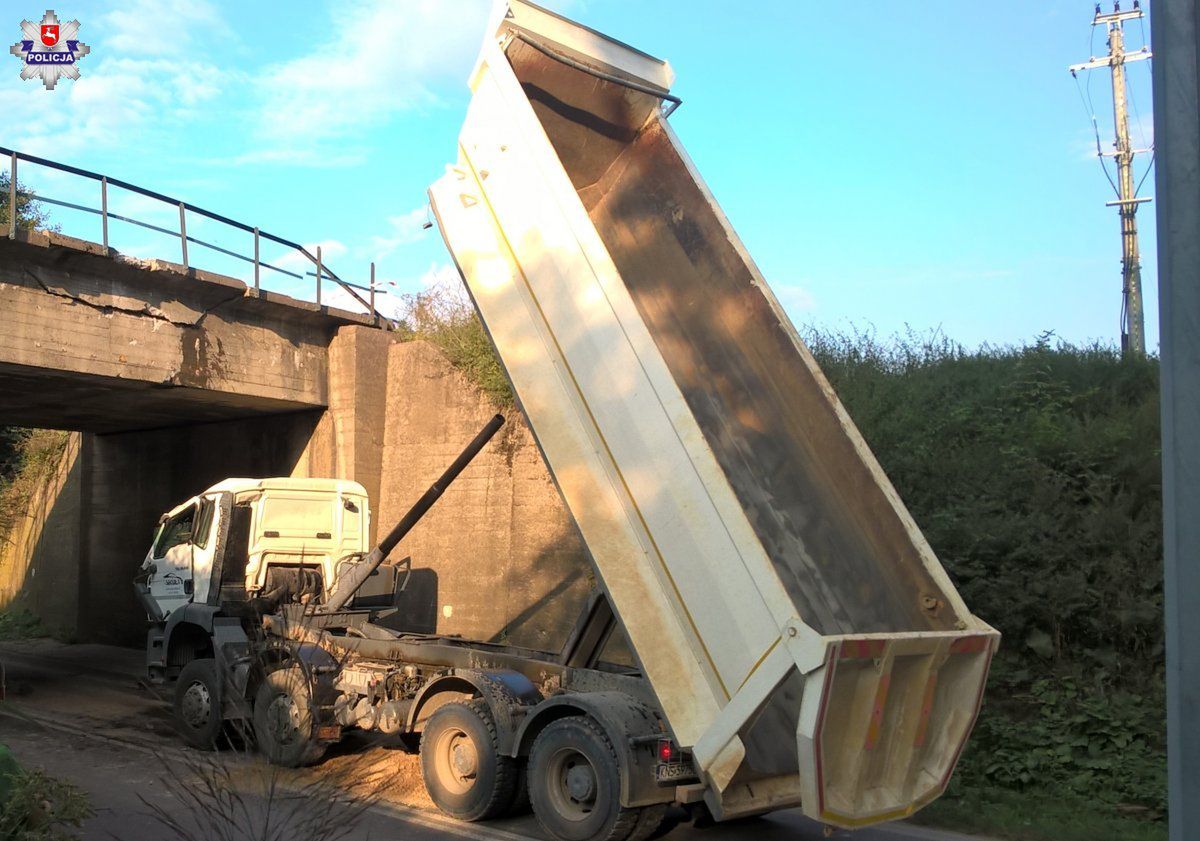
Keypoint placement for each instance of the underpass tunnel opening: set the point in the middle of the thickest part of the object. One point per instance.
(79, 510)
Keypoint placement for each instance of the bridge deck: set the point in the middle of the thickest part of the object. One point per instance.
(96, 341)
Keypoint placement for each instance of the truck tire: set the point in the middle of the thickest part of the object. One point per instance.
(464, 773)
(284, 719)
(197, 703)
(575, 785)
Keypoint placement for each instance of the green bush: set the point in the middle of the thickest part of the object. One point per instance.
(1035, 474)
(27, 458)
(20, 625)
(37, 807)
(445, 317)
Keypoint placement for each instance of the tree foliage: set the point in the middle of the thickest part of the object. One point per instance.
(30, 212)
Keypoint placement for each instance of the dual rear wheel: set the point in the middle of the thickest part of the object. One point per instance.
(572, 775)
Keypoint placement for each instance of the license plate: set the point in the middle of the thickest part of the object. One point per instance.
(328, 733)
(670, 772)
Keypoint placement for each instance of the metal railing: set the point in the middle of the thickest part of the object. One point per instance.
(321, 271)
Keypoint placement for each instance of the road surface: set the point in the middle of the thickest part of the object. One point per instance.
(81, 713)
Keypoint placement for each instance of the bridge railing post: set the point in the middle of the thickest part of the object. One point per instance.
(256, 266)
(104, 210)
(12, 197)
(183, 234)
(372, 293)
(318, 275)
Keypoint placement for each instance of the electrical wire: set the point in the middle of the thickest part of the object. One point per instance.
(1091, 112)
(1133, 98)
(1149, 167)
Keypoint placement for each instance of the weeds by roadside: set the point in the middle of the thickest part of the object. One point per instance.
(245, 799)
(21, 625)
(1034, 472)
(1034, 816)
(444, 316)
(37, 807)
(33, 454)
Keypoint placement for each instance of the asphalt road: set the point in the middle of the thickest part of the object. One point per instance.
(80, 713)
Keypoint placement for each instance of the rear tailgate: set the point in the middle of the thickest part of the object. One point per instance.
(885, 721)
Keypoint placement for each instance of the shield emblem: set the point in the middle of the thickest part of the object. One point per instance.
(49, 34)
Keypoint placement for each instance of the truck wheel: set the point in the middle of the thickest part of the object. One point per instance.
(464, 773)
(198, 703)
(575, 784)
(283, 720)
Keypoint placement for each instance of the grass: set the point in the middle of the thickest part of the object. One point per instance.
(445, 317)
(34, 455)
(38, 807)
(1035, 816)
(21, 625)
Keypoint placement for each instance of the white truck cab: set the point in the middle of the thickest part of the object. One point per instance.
(293, 523)
(278, 538)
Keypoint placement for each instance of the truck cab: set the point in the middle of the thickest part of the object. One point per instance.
(274, 541)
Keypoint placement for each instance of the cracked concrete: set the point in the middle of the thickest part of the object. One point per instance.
(146, 308)
(99, 343)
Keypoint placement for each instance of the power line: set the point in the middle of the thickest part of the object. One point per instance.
(1091, 114)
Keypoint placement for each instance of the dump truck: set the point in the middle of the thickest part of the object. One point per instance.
(803, 642)
(796, 642)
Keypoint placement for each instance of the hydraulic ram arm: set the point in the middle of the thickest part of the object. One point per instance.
(347, 585)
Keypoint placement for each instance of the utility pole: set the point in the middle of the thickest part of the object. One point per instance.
(1133, 335)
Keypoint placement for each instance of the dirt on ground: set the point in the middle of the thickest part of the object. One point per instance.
(393, 774)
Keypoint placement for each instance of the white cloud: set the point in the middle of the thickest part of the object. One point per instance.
(794, 299)
(160, 27)
(442, 276)
(382, 58)
(134, 81)
(294, 260)
(405, 229)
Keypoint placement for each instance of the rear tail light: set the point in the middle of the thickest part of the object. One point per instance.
(667, 751)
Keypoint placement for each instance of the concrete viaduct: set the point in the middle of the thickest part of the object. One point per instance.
(177, 379)
(172, 379)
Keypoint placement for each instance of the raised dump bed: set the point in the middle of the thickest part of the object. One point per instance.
(799, 633)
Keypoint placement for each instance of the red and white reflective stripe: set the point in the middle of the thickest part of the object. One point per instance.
(970, 645)
(861, 649)
(876, 723)
(926, 709)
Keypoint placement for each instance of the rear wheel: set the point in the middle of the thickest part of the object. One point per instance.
(464, 773)
(575, 786)
(198, 703)
(284, 719)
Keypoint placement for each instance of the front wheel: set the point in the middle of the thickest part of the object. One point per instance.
(575, 786)
(284, 718)
(464, 773)
(198, 703)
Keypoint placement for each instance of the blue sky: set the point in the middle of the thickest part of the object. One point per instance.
(925, 165)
